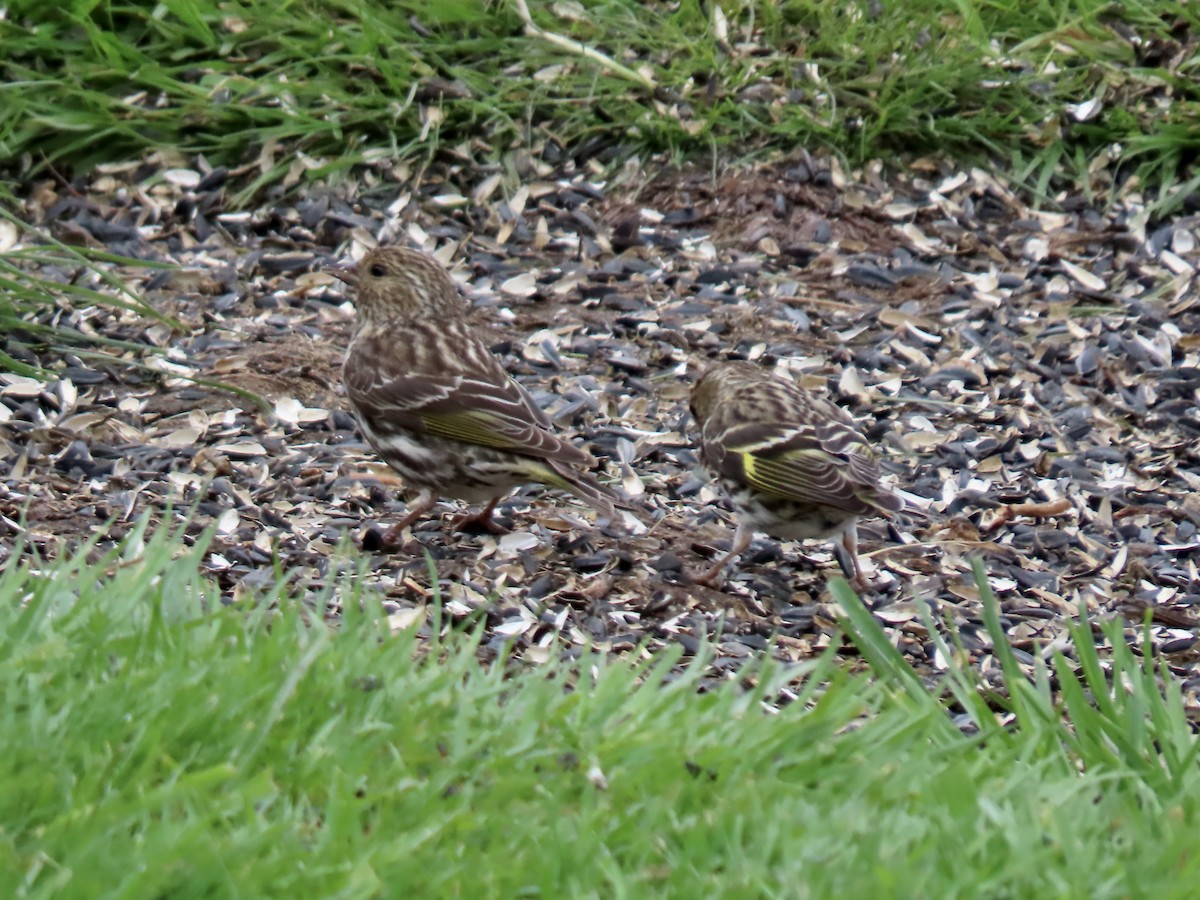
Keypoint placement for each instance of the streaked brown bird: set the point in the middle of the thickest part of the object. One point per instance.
(794, 464)
(436, 405)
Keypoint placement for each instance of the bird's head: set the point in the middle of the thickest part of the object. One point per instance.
(704, 396)
(395, 282)
(713, 382)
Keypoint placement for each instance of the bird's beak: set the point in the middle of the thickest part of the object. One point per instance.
(346, 273)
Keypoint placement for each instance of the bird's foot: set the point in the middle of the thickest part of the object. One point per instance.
(480, 521)
(712, 577)
(391, 540)
(388, 541)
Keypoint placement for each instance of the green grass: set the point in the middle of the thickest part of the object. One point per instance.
(45, 273)
(330, 85)
(154, 743)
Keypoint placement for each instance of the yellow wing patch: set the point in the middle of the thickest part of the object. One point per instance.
(790, 475)
(470, 427)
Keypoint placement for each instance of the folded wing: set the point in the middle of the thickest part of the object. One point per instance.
(824, 464)
(442, 380)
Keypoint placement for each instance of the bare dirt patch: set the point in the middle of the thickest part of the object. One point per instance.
(1030, 379)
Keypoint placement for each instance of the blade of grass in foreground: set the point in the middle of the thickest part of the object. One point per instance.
(1118, 717)
(886, 661)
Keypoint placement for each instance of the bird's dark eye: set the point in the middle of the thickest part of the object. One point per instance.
(378, 271)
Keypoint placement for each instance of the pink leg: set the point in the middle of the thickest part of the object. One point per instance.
(850, 545)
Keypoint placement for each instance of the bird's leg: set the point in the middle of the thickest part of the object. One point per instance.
(482, 519)
(741, 540)
(423, 504)
(847, 554)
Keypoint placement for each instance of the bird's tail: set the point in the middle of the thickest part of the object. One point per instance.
(596, 495)
(885, 502)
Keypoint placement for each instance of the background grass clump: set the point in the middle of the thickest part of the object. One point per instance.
(154, 743)
(308, 89)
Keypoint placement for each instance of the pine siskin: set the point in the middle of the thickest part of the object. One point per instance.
(436, 405)
(794, 464)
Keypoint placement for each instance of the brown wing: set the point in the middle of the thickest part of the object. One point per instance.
(439, 378)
